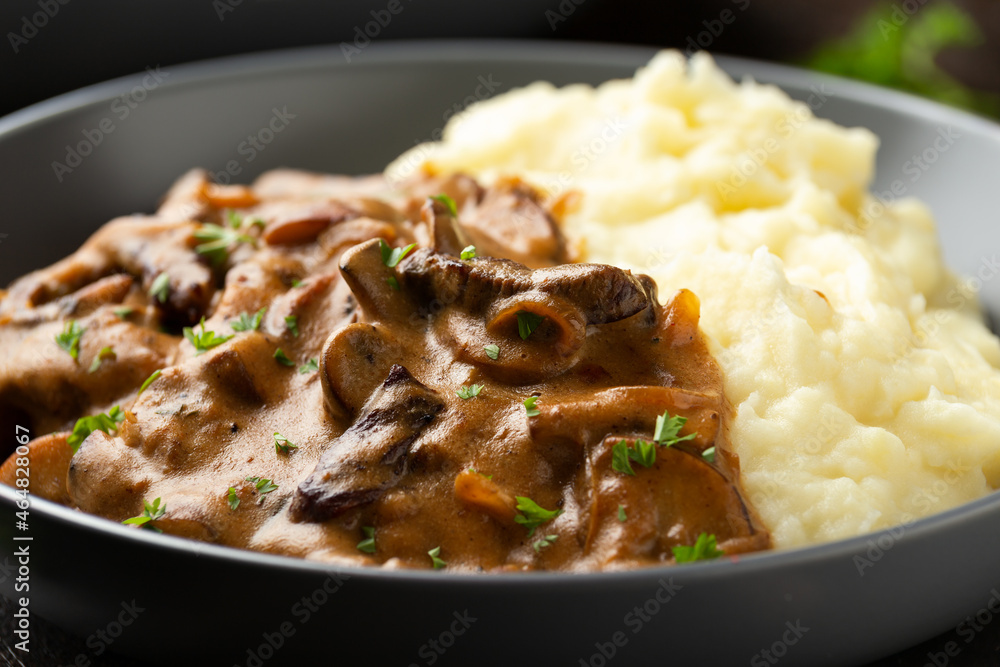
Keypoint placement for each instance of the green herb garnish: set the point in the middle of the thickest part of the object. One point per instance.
(527, 322)
(234, 219)
(546, 541)
(368, 544)
(123, 312)
(529, 405)
(282, 358)
(100, 422)
(233, 499)
(204, 341)
(668, 427)
(262, 484)
(150, 380)
(393, 256)
(151, 512)
(292, 324)
(480, 474)
(160, 289)
(621, 513)
(105, 353)
(619, 459)
(69, 339)
(247, 322)
(449, 204)
(469, 392)
(309, 367)
(709, 455)
(532, 514)
(435, 561)
(392, 282)
(283, 445)
(643, 453)
(492, 351)
(218, 240)
(469, 252)
(705, 548)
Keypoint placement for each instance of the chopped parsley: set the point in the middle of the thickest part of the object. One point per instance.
(643, 453)
(69, 339)
(480, 474)
(282, 358)
(546, 541)
(527, 322)
(105, 353)
(392, 282)
(393, 256)
(309, 367)
(217, 241)
(705, 548)
(469, 252)
(435, 560)
(292, 324)
(532, 514)
(529, 405)
(709, 455)
(150, 380)
(297, 283)
(283, 445)
(204, 341)
(492, 351)
(619, 459)
(668, 427)
(368, 544)
(449, 204)
(262, 484)
(234, 219)
(621, 514)
(469, 392)
(246, 322)
(233, 499)
(123, 312)
(100, 422)
(151, 512)
(160, 289)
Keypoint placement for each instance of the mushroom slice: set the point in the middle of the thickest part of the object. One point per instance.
(291, 225)
(369, 279)
(601, 293)
(510, 221)
(627, 410)
(371, 456)
(354, 357)
(668, 504)
(448, 236)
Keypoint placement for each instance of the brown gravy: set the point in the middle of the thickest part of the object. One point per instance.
(397, 418)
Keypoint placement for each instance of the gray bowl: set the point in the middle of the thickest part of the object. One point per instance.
(212, 605)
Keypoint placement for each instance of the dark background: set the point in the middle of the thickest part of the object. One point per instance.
(84, 42)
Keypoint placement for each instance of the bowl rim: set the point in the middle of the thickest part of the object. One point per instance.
(389, 54)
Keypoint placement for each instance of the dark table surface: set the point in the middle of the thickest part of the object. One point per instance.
(51, 647)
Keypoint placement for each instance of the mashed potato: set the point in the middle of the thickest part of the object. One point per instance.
(866, 385)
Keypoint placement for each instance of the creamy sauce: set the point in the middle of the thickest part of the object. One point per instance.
(388, 411)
